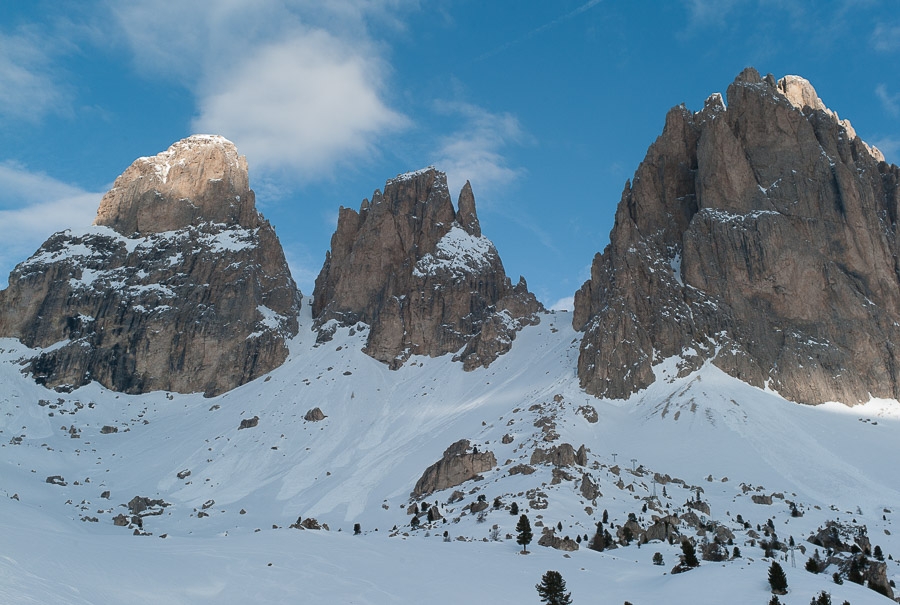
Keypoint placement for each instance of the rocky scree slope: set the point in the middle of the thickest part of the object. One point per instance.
(181, 284)
(762, 237)
(422, 276)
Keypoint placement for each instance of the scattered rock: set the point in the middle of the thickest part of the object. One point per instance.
(249, 423)
(455, 467)
(107, 429)
(314, 415)
(560, 455)
(183, 474)
(56, 480)
(549, 538)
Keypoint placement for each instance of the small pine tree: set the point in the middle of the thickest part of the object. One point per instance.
(605, 516)
(514, 509)
(552, 589)
(736, 553)
(690, 554)
(657, 558)
(812, 566)
(523, 527)
(357, 529)
(774, 600)
(837, 578)
(777, 579)
(878, 554)
(824, 598)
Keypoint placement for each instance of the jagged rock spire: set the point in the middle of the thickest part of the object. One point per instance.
(421, 275)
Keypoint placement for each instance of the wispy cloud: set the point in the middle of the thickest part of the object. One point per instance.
(890, 102)
(886, 38)
(566, 303)
(305, 103)
(475, 150)
(32, 207)
(29, 88)
(890, 147)
(537, 30)
(299, 87)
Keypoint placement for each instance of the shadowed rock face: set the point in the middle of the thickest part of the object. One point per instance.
(181, 284)
(761, 237)
(422, 276)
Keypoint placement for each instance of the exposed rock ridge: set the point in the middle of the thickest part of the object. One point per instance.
(761, 236)
(181, 285)
(422, 276)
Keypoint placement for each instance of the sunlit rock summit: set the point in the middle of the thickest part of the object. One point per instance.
(761, 237)
(181, 284)
(422, 276)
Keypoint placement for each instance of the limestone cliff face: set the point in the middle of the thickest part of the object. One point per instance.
(421, 275)
(181, 284)
(761, 237)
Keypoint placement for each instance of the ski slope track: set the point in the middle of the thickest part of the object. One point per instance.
(224, 536)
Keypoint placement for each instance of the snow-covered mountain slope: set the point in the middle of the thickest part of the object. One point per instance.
(226, 521)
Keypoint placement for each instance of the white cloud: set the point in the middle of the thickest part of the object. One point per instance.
(298, 86)
(29, 90)
(891, 103)
(34, 206)
(307, 102)
(473, 151)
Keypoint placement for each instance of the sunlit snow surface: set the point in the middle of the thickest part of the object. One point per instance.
(383, 428)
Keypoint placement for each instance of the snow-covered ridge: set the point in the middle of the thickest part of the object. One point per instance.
(458, 253)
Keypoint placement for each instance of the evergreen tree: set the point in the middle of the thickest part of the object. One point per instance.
(514, 509)
(812, 565)
(690, 555)
(823, 599)
(736, 553)
(878, 554)
(657, 558)
(357, 529)
(605, 516)
(837, 578)
(552, 589)
(774, 600)
(777, 579)
(523, 527)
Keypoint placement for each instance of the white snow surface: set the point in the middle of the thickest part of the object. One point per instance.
(359, 464)
(457, 253)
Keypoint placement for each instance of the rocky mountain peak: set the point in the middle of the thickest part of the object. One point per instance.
(421, 275)
(198, 179)
(760, 236)
(181, 284)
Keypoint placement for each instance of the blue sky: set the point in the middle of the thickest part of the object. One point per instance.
(546, 107)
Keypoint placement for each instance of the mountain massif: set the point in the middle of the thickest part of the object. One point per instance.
(181, 285)
(421, 276)
(761, 237)
(382, 442)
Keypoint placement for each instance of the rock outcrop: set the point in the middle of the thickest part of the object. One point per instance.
(181, 284)
(762, 237)
(422, 277)
(456, 466)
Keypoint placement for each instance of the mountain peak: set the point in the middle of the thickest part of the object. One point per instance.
(201, 178)
(421, 275)
(761, 240)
